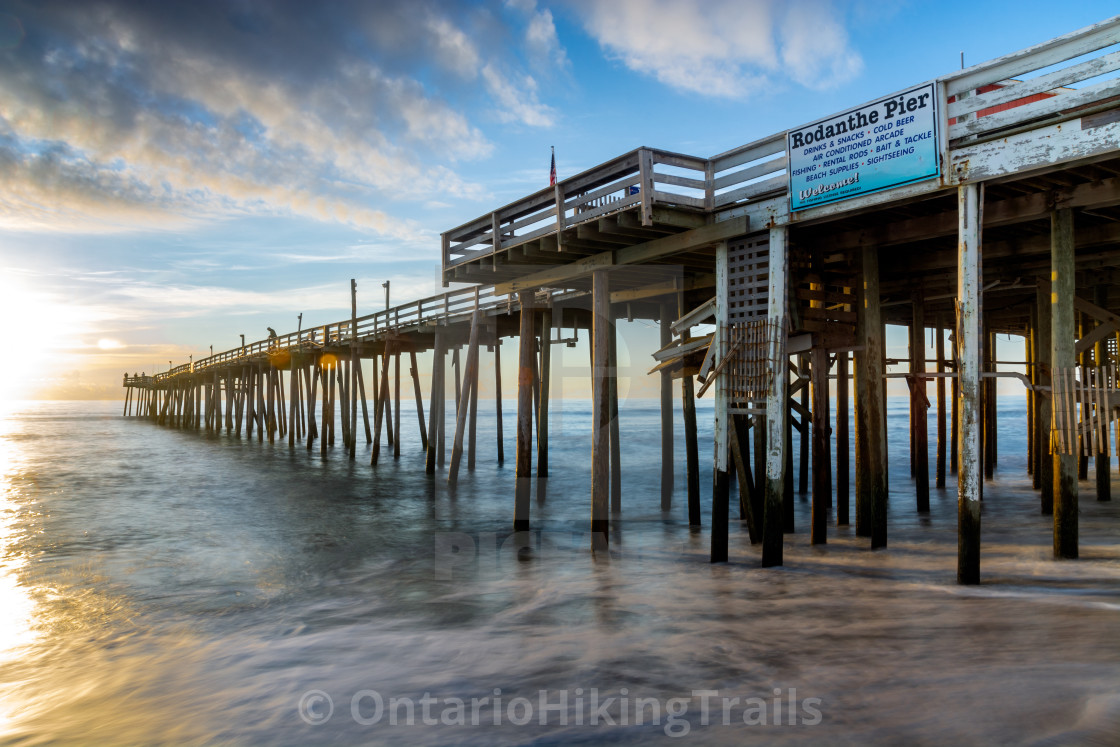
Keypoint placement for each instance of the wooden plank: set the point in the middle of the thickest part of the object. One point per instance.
(767, 146)
(1065, 103)
(1018, 90)
(678, 181)
(1035, 57)
(698, 315)
(1043, 149)
(766, 168)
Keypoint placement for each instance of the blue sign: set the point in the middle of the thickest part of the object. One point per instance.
(884, 144)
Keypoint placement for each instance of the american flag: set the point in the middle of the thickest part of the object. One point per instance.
(552, 171)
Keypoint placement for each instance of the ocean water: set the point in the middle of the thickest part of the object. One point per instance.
(166, 587)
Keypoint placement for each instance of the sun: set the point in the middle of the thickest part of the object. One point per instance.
(35, 326)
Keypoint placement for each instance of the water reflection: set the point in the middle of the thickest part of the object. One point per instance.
(17, 621)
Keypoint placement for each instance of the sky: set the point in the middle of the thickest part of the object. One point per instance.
(175, 174)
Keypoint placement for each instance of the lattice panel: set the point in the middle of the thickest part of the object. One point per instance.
(749, 370)
(748, 276)
(1097, 391)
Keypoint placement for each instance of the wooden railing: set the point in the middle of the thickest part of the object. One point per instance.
(644, 177)
(997, 98)
(434, 310)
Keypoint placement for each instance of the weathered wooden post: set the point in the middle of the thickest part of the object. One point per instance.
(921, 405)
(987, 404)
(842, 440)
(871, 486)
(1062, 270)
(312, 403)
(667, 455)
(498, 398)
(939, 351)
(612, 417)
(414, 372)
(969, 325)
(600, 405)
(523, 472)
(545, 382)
(721, 480)
(1100, 360)
(805, 446)
(464, 403)
(397, 404)
(355, 363)
(691, 444)
(362, 398)
(435, 401)
(822, 467)
(776, 408)
(1032, 395)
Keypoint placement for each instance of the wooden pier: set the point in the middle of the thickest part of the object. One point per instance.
(773, 298)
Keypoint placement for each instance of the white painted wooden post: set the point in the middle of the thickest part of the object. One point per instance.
(775, 401)
(720, 477)
(969, 322)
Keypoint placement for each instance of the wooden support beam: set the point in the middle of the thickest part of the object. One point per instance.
(871, 498)
(667, 454)
(293, 404)
(544, 373)
(939, 352)
(843, 443)
(691, 444)
(380, 409)
(805, 446)
(921, 406)
(362, 399)
(1102, 462)
(435, 400)
(397, 405)
(612, 416)
(523, 470)
(969, 326)
(600, 426)
(498, 400)
(822, 468)
(470, 381)
(776, 410)
(355, 363)
(414, 371)
(1044, 419)
(1063, 356)
(721, 479)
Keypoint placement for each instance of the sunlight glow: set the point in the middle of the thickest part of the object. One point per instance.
(34, 327)
(106, 343)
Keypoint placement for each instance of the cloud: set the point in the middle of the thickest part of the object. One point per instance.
(119, 115)
(542, 43)
(518, 103)
(725, 48)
